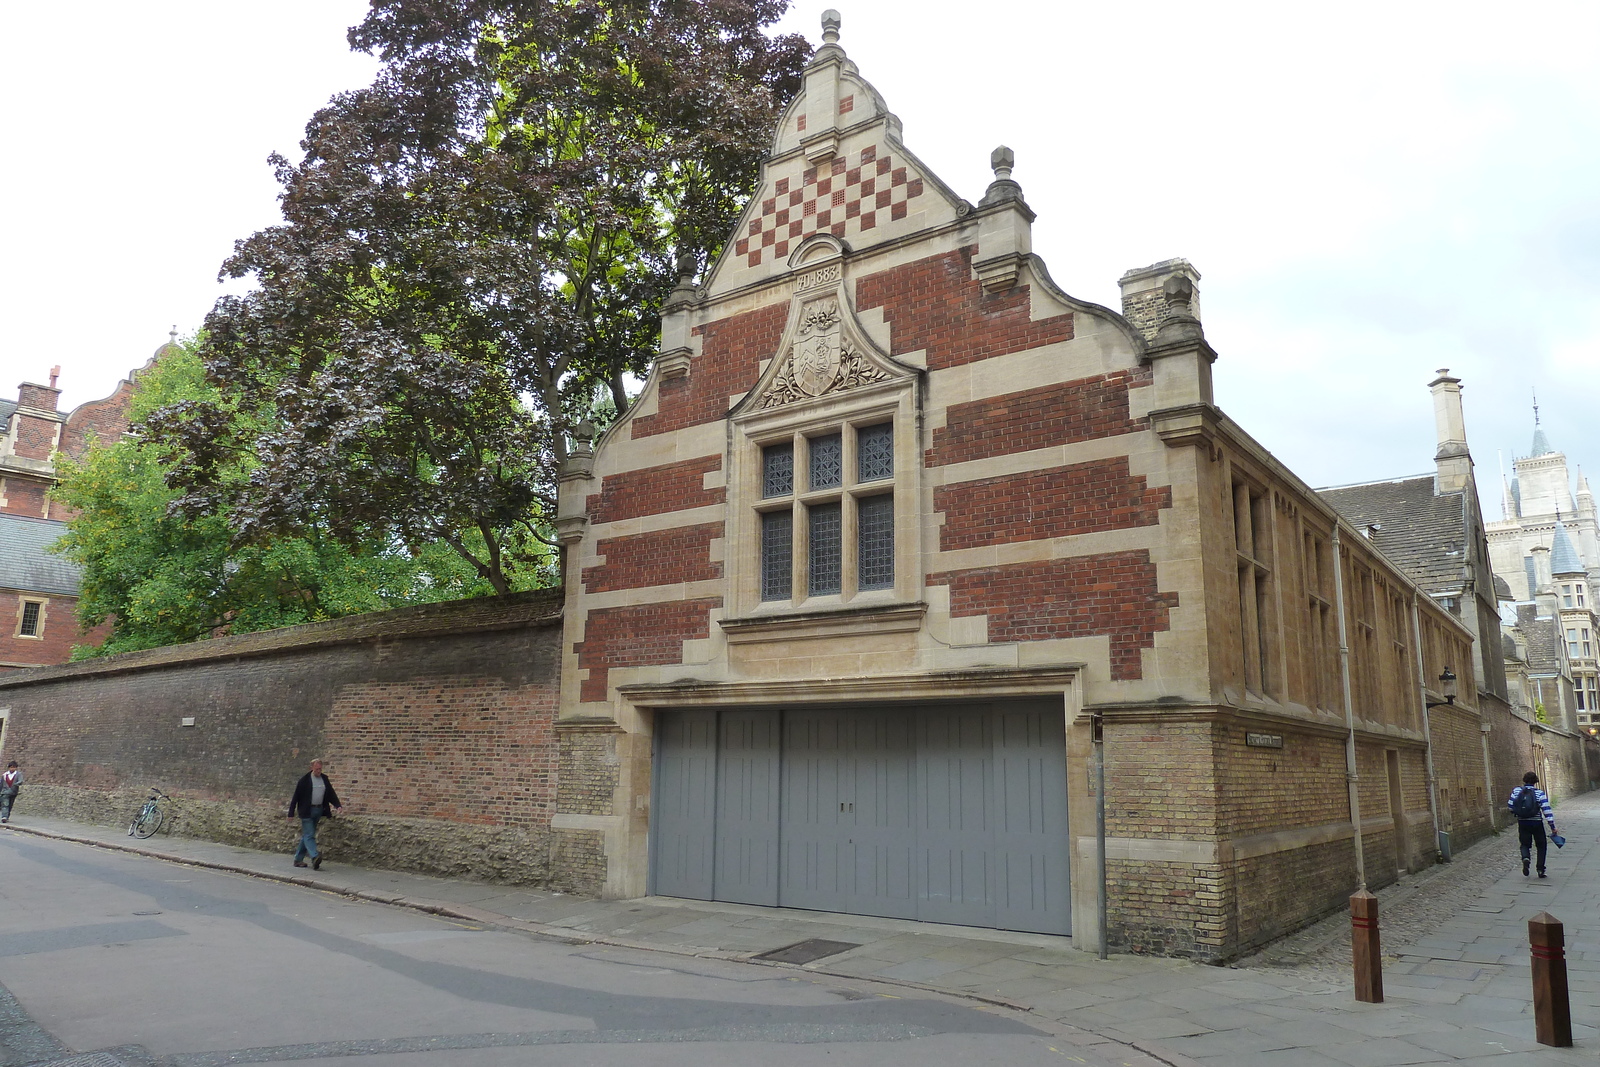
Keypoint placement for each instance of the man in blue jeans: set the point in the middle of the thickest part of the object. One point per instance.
(313, 797)
(1532, 809)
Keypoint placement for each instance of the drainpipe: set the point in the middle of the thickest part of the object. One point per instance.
(1427, 731)
(1349, 716)
(1488, 780)
(1098, 724)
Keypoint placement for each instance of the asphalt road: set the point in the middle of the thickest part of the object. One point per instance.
(115, 959)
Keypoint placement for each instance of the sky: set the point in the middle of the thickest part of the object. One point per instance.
(1370, 191)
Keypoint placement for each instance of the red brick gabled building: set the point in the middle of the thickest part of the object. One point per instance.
(895, 520)
(38, 589)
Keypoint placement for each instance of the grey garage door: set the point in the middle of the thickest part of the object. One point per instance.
(947, 814)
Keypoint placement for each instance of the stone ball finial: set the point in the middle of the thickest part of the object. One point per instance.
(1178, 291)
(687, 262)
(1001, 160)
(830, 26)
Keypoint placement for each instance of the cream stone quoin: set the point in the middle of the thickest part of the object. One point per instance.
(893, 514)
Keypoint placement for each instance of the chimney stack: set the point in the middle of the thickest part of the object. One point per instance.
(1452, 461)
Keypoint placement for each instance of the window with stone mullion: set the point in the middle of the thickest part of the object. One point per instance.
(833, 536)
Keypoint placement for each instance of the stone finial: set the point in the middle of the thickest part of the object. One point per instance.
(830, 26)
(1178, 291)
(583, 438)
(1180, 322)
(1001, 160)
(1003, 188)
(687, 262)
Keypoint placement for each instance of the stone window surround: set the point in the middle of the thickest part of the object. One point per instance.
(884, 402)
(22, 610)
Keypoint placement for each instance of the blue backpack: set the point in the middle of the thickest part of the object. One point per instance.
(1525, 805)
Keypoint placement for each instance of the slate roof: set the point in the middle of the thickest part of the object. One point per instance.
(6, 408)
(1541, 443)
(1540, 637)
(1563, 557)
(24, 562)
(1419, 532)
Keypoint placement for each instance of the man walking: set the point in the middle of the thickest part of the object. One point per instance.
(10, 785)
(313, 797)
(1532, 809)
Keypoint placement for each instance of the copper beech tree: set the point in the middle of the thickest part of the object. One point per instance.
(471, 260)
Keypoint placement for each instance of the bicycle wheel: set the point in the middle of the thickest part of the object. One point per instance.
(147, 822)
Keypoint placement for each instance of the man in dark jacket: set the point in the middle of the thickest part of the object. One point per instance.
(313, 797)
(1532, 809)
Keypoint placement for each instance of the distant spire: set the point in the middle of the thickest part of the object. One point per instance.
(172, 335)
(1541, 443)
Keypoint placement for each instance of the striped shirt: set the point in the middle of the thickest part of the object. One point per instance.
(1539, 795)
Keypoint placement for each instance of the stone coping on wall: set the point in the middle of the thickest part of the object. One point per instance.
(480, 614)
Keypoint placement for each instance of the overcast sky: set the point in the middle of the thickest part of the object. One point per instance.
(1370, 190)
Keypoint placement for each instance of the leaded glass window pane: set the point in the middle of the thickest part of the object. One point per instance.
(777, 555)
(875, 542)
(827, 461)
(777, 470)
(826, 549)
(875, 453)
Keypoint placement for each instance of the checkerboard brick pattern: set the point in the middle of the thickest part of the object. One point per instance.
(844, 196)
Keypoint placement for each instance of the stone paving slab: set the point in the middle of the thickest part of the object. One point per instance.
(1457, 972)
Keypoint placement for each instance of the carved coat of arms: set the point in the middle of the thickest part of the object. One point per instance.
(821, 358)
(816, 350)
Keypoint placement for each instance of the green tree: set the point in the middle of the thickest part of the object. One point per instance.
(473, 249)
(164, 576)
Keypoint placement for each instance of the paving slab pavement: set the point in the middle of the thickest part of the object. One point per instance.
(1457, 976)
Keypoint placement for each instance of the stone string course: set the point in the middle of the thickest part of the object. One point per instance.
(1053, 502)
(1112, 594)
(664, 557)
(638, 635)
(1043, 417)
(654, 490)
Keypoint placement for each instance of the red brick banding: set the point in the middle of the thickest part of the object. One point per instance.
(1041, 417)
(27, 497)
(728, 365)
(1111, 594)
(654, 490)
(663, 557)
(936, 306)
(639, 635)
(1055, 502)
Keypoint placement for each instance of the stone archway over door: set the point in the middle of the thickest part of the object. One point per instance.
(953, 814)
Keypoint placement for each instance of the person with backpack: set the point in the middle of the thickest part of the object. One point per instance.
(1532, 809)
(10, 786)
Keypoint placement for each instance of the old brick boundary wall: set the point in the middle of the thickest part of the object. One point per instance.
(435, 723)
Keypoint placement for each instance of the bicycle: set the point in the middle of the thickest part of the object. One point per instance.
(151, 816)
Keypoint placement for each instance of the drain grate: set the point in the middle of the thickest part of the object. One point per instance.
(814, 948)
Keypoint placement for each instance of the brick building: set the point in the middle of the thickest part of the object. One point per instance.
(37, 621)
(896, 519)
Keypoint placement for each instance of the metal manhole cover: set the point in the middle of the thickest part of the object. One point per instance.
(806, 951)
